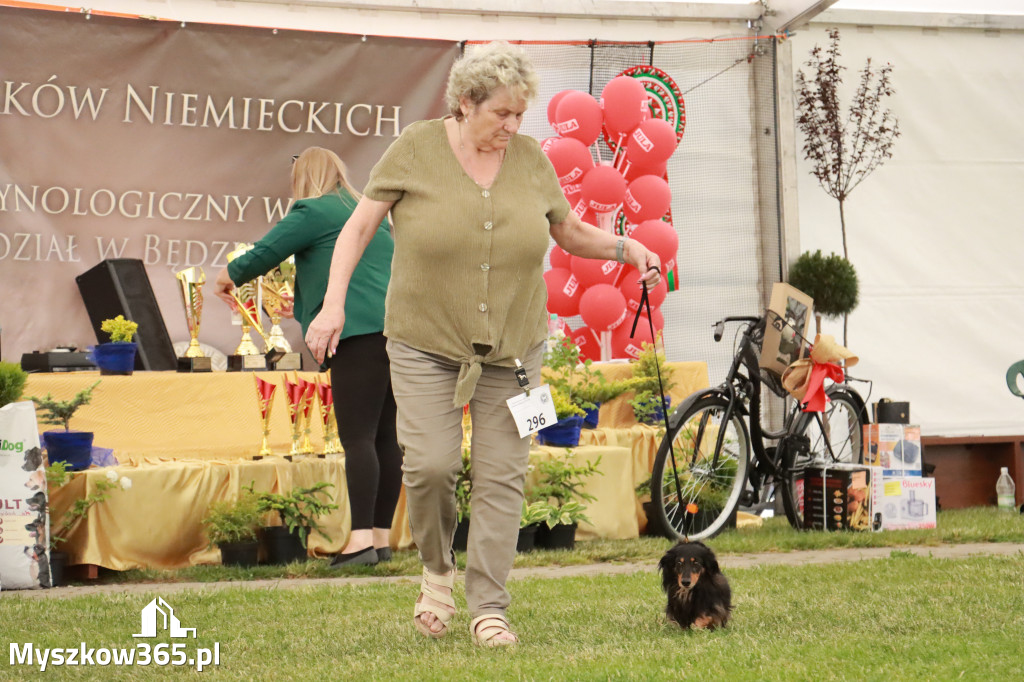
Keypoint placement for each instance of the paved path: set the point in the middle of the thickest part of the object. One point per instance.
(728, 561)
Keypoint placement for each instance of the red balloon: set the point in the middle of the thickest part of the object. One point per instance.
(661, 238)
(559, 257)
(603, 307)
(625, 347)
(651, 143)
(578, 115)
(624, 99)
(633, 171)
(590, 272)
(646, 198)
(588, 343)
(603, 189)
(563, 292)
(631, 291)
(659, 318)
(553, 107)
(570, 158)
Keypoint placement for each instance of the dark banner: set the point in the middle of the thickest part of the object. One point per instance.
(130, 138)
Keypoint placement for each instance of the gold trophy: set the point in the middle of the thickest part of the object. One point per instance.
(308, 396)
(278, 289)
(247, 297)
(190, 285)
(265, 397)
(332, 443)
(295, 394)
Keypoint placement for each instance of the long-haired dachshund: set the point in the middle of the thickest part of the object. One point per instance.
(698, 593)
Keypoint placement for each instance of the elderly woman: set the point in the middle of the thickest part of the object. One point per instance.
(360, 376)
(473, 205)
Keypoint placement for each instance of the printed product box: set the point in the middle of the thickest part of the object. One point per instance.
(789, 323)
(906, 502)
(895, 448)
(837, 497)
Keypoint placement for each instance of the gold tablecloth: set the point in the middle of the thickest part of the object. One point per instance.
(210, 415)
(157, 522)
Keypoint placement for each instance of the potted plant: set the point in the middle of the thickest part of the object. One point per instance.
(117, 356)
(647, 401)
(566, 431)
(298, 511)
(463, 493)
(58, 475)
(72, 447)
(12, 382)
(830, 280)
(560, 484)
(534, 513)
(233, 525)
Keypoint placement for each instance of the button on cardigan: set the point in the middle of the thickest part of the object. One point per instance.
(467, 277)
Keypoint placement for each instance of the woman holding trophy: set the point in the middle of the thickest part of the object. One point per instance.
(360, 374)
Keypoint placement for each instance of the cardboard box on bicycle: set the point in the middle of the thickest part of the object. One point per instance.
(837, 497)
(895, 448)
(903, 502)
(789, 323)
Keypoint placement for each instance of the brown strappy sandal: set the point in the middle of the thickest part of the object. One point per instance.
(428, 589)
(487, 627)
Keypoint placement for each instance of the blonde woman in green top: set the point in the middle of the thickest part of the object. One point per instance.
(360, 375)
(474, 205)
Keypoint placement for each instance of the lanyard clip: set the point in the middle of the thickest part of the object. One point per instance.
(521, 378)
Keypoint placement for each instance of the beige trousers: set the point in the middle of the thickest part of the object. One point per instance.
(430, 432)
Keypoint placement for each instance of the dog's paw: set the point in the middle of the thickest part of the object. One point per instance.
(702, 622)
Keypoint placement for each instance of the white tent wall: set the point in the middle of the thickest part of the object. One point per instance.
(935, 232)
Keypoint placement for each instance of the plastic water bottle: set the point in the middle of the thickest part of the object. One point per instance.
(1005, 490)
(553, 325)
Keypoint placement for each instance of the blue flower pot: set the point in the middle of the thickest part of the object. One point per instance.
(74, 448)
(114, 357)
(564, 433)
(590, 420)
(658, 415)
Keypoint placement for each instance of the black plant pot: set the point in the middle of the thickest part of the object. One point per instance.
(655, 527)
(527, 538)
(58, 567)
(239, 553)
(561, 536)
(461, 538)
(281, 546)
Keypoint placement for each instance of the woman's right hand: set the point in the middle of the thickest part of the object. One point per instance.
(323, 333)
(223, 287)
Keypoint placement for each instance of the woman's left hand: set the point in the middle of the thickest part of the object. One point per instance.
(645, 261)
(223, 287)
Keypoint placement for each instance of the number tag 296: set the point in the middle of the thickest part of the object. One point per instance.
(533, 412)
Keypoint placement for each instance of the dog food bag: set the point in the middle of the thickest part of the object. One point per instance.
(24, 523)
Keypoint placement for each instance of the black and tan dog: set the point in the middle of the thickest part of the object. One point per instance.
(698, 593)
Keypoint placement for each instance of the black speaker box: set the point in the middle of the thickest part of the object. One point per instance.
(120, 286)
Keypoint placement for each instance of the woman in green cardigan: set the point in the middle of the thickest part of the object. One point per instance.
(360, 375)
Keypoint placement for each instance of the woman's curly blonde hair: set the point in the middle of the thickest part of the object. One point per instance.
(479, 73)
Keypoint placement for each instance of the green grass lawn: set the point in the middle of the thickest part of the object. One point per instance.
(899, 618)
(955, 526)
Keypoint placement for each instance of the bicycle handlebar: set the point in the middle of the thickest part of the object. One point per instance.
(720, 325)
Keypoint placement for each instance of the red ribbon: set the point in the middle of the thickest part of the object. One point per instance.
(815, 398)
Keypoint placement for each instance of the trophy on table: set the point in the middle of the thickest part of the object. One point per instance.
(308, 396)
(190, 285)
(265, 397)
(278, 289)
(295, 393)
(247, 298)
(332, 443)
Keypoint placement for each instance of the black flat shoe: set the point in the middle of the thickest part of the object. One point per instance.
(364, 557)
(383, 554)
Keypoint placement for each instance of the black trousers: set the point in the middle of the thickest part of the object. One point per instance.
(365, 409)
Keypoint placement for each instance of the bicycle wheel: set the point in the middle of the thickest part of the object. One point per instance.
(700, 469)
(835, 437)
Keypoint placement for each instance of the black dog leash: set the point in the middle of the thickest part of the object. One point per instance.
(646, 303)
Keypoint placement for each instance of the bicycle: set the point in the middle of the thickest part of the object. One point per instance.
(710, 463)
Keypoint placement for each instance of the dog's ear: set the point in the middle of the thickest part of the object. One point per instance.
(710, 560)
